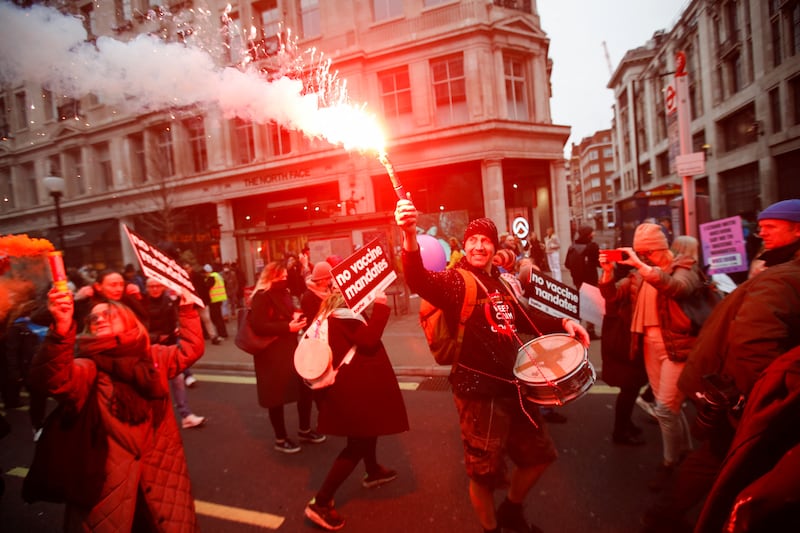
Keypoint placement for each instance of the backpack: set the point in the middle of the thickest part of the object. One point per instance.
(575, 258)
(313, 358)
(699, 305)
(445, 345)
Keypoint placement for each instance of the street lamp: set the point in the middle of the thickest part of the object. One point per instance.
(55, 186)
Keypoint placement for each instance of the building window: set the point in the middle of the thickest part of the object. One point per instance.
(233, 37)
(386, 9)
(73, 171)
(21, 110)
(432, 3)
(268, 17)
(196, 133)
(662, 164)
(738, 129)
(7, 202)
(104, 172)
(280, 139)
(163, 158)
(513, 71)
(735, 74)
(776, 124)
(775, 27)
(244, 141)
(49, 105)
(309, 18)
(88, 18)
(29, 186)
(449, 88)
(794, 90)
(396, 98)
(54, 165)
(741, 188)
(5, 130)
(794, 28)
(138, 159)
(608, 153)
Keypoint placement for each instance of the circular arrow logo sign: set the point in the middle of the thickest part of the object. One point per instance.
(520, 227)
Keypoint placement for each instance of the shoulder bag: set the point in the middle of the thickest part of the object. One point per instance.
(69, 458)
(247, 339)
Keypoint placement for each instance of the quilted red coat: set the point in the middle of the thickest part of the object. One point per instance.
(148, 458)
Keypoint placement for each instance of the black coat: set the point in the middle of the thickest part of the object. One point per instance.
(622, 367)
(277, 382)
(365, 400)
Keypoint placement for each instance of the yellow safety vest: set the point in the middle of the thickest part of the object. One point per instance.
(217, 292)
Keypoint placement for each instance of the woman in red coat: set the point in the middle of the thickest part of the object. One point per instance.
(364, 403)
(145, 485)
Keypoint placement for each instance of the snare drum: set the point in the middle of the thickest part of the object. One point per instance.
(554, 369)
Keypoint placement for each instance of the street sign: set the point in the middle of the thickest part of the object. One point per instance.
(691, 164)
(520, 227)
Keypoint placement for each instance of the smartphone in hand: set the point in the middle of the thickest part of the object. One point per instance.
(614, 256)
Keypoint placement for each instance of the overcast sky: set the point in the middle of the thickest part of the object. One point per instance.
(577, 29)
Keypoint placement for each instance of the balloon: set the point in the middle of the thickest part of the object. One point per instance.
(432, 253)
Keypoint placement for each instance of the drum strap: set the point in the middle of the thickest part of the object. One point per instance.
(514, 382)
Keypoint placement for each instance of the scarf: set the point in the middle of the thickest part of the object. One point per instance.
(779, 255)
(137, 383)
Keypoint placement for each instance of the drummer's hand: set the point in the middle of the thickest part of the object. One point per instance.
(574, 329)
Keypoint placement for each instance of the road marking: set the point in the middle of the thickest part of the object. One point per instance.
(225, 378)
(19, 471)
(235, 514)
(214, 510)
(603, 389)
(404, 385)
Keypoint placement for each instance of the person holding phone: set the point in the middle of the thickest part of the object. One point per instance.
(277, 383)
(659, 331)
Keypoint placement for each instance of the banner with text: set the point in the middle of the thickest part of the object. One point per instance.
(553, 297)
(724, 246)
(363, 274)
(159, 266)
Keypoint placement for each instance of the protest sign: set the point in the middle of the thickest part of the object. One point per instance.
(159, 266)
(553, 297)
(723, 246)
(593, 305)
(363, 274)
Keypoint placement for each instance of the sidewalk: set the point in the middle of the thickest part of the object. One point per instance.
(403, 339)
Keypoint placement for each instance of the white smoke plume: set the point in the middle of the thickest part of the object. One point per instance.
(43, 46)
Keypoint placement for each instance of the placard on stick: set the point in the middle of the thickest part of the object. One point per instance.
(159, 266)
(363, 274)
(553, 297)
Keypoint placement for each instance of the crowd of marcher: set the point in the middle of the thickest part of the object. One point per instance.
(116, 344)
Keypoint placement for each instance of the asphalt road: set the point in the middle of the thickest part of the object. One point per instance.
(241, 484)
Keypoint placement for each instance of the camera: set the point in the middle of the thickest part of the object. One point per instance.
(614, 256)
(717, 403)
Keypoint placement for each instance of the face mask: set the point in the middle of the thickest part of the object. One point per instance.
(281, 285)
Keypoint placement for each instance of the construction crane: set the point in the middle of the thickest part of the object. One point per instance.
(608, 60)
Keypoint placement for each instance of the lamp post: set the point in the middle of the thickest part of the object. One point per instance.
(55, 186)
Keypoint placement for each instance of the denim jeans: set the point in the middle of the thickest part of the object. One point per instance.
(663, 375)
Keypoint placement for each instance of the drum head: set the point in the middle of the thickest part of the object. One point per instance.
(549, 358)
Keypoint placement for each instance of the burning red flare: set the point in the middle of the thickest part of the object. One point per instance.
(23, 246)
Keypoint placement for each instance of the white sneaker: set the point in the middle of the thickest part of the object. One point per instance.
(190, 380)
(193, 421)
